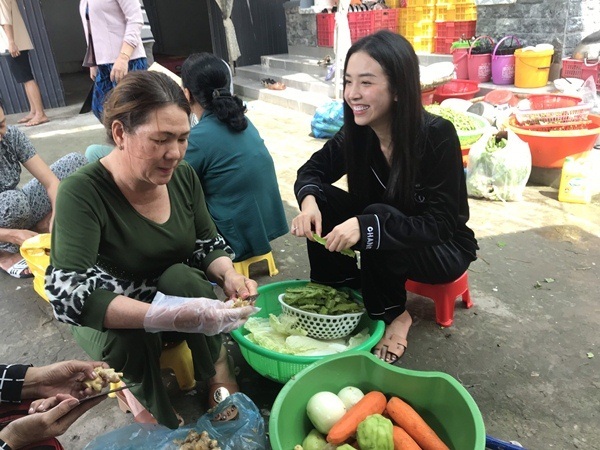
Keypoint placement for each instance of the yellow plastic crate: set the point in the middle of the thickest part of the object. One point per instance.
(423, 28)
(419, 13)
(422, 44)
(458, 12)
(428, 3)
(394, 3)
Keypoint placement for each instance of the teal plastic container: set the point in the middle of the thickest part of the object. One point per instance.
(278, 366)
(440, 399)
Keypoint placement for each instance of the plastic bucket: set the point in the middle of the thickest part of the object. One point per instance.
(532, 68)
(461, 63)
(480, 66)
(503, 66)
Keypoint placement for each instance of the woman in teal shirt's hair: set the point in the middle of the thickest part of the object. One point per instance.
(231, 160)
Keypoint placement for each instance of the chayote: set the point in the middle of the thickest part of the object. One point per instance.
(314, 441)
(375, 433)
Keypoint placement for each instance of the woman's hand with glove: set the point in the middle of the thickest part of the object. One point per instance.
(194, 315)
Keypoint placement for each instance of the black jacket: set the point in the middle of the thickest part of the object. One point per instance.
(441, 207)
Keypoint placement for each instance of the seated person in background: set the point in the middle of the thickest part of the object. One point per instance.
(26, 212)
(231, 159)
(140, 262)
(406, 207)
(58, 386)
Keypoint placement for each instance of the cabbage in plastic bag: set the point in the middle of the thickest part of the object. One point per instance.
(498, 172)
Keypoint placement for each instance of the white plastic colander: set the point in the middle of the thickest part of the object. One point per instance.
(322, 326)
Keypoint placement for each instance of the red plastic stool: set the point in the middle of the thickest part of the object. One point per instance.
(444, 296)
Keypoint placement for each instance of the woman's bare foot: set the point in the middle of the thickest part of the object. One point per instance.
(393, 344)
(38, 119)
(26, 119)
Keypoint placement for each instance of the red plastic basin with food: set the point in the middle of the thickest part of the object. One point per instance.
(465, 89)
(550, 148)
(552, 101)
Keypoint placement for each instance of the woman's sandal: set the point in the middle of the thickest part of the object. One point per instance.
(393, 346)
(217, 392)
(18, 270)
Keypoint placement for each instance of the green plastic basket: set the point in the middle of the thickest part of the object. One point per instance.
(278, 366)
(440, 399)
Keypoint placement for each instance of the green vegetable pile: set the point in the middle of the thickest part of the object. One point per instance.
(320, 299)
(346, 251)
(461, 121)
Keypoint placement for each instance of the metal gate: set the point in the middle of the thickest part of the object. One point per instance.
(42, 63)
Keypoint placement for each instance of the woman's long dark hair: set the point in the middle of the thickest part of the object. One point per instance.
(207, 78)
(401, 67)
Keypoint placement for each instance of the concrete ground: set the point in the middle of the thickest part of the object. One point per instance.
(528, 351)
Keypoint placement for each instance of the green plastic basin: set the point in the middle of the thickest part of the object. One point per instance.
(440, 399)
(278, 366)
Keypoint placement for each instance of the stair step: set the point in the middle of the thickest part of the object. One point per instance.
(298, 80)
(292, 98)
(294, 63)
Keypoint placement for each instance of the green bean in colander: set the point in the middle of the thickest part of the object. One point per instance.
(462, 122)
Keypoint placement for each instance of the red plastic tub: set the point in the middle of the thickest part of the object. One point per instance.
(465, 89)
(552, 101)
(550, 148)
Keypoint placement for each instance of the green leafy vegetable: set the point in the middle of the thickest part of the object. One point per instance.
(346, 251)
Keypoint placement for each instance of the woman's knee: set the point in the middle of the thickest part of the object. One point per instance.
(15, 209)
(68, 164)
(185, 281)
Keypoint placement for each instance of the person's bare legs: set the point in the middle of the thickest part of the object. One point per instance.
(36, 105)
(43, 226)
(224, 370)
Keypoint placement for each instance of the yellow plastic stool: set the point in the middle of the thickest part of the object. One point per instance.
(36, 251)
(178, 358)
(243, 267)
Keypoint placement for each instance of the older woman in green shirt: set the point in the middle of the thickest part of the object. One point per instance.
(134, 249)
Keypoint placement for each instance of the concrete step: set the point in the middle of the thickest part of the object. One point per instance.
(294, 63)
(291, 98)
(297, 80)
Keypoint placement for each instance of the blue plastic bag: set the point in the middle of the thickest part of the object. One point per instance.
(328, 119)
(235, 423)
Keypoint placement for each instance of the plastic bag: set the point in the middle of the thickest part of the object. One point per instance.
(498, 172)
(328, 119)
(235, 423)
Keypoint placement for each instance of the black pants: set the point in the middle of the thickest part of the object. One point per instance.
(383, 273)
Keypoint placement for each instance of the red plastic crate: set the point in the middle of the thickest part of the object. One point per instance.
(385, 19)
(325, 27)
(455, 29)
(443, 45)
(574, 68)
(361, 23)
(571, 68)
(591, 70)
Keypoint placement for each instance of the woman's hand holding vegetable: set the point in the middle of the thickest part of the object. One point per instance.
(343, 236)
(194, 315)
(308, 220)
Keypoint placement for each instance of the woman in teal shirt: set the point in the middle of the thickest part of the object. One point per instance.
(231, 160)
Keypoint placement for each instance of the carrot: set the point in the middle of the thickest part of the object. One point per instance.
(408, 419)
(402, 440)
(372, 403)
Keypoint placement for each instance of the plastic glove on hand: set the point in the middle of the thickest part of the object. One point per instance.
(194, 315)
